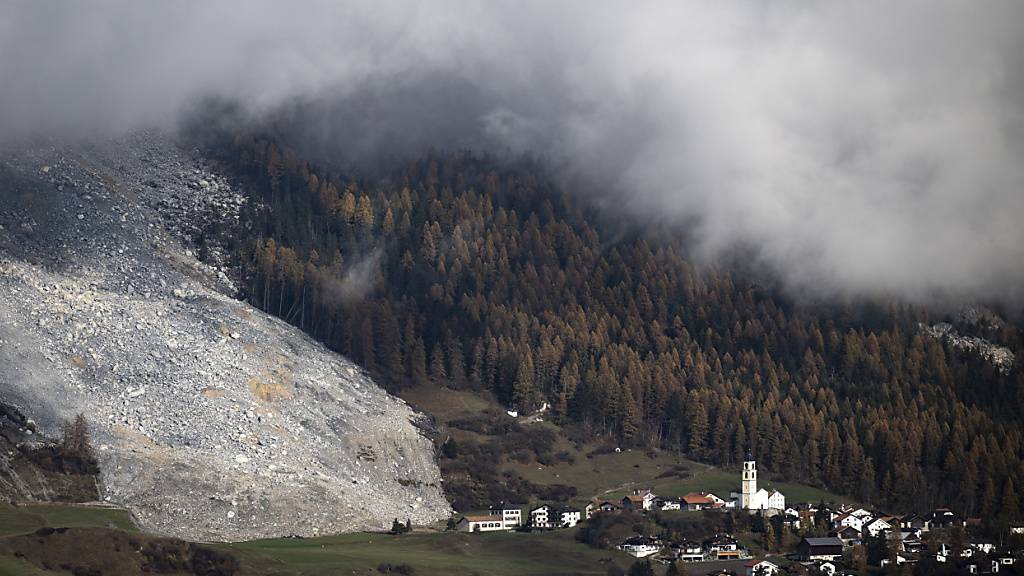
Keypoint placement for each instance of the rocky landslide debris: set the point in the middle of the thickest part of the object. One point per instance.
(975, 318)
(212, 420)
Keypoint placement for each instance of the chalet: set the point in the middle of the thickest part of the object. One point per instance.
(546, 516)
(830, 548)
(564, 517)
(638, 500)
(848, 520)
(722, 547)
(942, 518)
(511, 514)
(668, 504)
(982, 546)
(848, 535)
(876, 526)
(688, 551)
(601, 507)
(480, 524)
(791, 521)
(913, 521)
(640, 546)
(901, 558)
(762, 568)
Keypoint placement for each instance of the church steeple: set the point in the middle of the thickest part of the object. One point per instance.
(749, 482)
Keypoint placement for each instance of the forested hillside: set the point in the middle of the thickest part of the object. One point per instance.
(479, 274)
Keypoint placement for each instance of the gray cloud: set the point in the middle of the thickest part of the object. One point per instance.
(861, 148)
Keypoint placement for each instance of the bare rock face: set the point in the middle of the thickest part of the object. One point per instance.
(211, 419)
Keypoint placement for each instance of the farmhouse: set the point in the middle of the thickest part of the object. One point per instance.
(480, 524)
(830, 548)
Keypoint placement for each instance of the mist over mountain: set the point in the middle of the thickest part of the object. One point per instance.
(860, 150)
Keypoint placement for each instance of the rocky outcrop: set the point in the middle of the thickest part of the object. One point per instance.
(211, 420)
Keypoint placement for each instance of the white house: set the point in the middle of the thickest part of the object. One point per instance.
(876, 526)
(762, 568)
(564, 517)
(640, 546)
(511, 516)
(639, 500)
(688, 551)
(547, 516)
(480, 524)
(667, 504)
(540, 516)
(848, 520)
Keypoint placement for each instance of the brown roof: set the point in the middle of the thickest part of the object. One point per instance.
(483, 518)
(697, 498)
(635, 498)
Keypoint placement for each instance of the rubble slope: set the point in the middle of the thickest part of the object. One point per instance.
(212, 420)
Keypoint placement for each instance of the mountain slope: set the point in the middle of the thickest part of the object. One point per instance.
(212, 420)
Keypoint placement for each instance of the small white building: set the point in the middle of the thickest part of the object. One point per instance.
(480, 524)
(540, 516)
(640, 546)
(762, 568)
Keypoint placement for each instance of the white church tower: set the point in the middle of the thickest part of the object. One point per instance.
(748, 498)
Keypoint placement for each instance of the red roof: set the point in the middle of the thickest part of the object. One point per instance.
(483, 518)
(697, 498)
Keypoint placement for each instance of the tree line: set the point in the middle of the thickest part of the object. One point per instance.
(469, 272)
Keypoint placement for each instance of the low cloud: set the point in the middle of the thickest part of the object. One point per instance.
(859, 149)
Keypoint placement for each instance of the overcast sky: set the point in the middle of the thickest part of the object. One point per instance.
(862, 147)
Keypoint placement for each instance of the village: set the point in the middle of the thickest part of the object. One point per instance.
(854, 537)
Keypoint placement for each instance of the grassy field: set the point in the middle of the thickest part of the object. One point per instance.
(28, 518)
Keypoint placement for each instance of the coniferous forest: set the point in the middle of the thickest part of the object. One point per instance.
(476, 273)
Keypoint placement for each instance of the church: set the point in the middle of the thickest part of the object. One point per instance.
(750, 498)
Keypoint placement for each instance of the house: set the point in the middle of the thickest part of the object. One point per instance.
(546, 516)
(982, 546)
(848, 520)
(829, 548)
(722, 572)
(640, 546)
(667, 504)
(698, 501)
(848, 535)
(722, 547)
(1016, 528)
(564, 517)
(901, 558)
(942, 518)
(601, 507)
(826, 567)
(876, 526)
(761, 568)
(979, 566)
(688, 551)
(913, 521)
(791, 521)
(638, 500)
(480, 524)
(511, 515)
